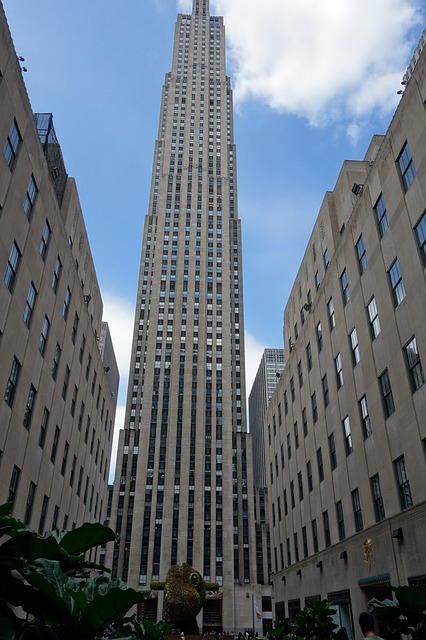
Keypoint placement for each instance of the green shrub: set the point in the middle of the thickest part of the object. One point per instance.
(48, 592)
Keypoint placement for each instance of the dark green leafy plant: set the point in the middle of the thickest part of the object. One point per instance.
(406, 615)
(48, 578)
(314, 622)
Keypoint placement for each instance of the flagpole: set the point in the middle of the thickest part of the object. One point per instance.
(252, 610)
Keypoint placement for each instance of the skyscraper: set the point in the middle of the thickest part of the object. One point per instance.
(183, 488)
(264, 385)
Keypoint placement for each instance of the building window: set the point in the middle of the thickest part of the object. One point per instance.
(365, 417)
(356, 504)
(396, 283)
(66, 382)
(331, 315)
(30, 503)
(30, 197)
(74, 400)
(414, 365)
(12, 266)
(376, 492)
(420, 230)
(43, 427)
(12, 145)
(354, 347)
(12, 381)
(43, 335)
(339, 370)
(381, 215)
(29, 305)
(305, 422)
(300, 373)
(314, 407)
(317, 280)
(340, 520)
(56, 359)
(373, 317)
(318, 331)
(344, 283)
(314, 535)
(288, 446)
(325, 391)
(406, 166)
(309, 474)
(43, 514)
(361, 255)
(326, 523)
(13, 485)
(66, 305)
(309, 355)
(56, 274)
(347, 434)
(320, 465)
(64, 458)
(326, 259)
(300, 483)
(403, 484)
(55, 444)
(332, 448)
(74, 330)
(387, 396)
(29, 407)
(292, 389)
(44, 242)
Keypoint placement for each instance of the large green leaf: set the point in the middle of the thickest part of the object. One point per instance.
(30, 546)
(147, 629)
(49, 579)
(83, 538)
(103, 610)
(8, 524)
(412, 599)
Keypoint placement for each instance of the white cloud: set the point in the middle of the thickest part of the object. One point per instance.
(184, 6)
(254, 352)
(119, 313)
(119, 424)
(322, 59)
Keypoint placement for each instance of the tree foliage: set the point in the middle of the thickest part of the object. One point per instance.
(314, 622)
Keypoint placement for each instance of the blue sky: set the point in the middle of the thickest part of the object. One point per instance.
(313, 81)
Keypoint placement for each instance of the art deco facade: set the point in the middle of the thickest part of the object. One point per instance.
(57, 392)
(183, 489)
(345, 430)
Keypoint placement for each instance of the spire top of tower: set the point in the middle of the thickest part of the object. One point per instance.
(201, 7)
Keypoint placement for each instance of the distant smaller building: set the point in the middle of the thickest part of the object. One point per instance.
(264, 385)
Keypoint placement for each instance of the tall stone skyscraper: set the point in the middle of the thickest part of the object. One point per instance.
(183, 487)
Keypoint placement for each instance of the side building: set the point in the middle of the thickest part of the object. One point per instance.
(264, 385)
(58, 388)
(346, 464)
